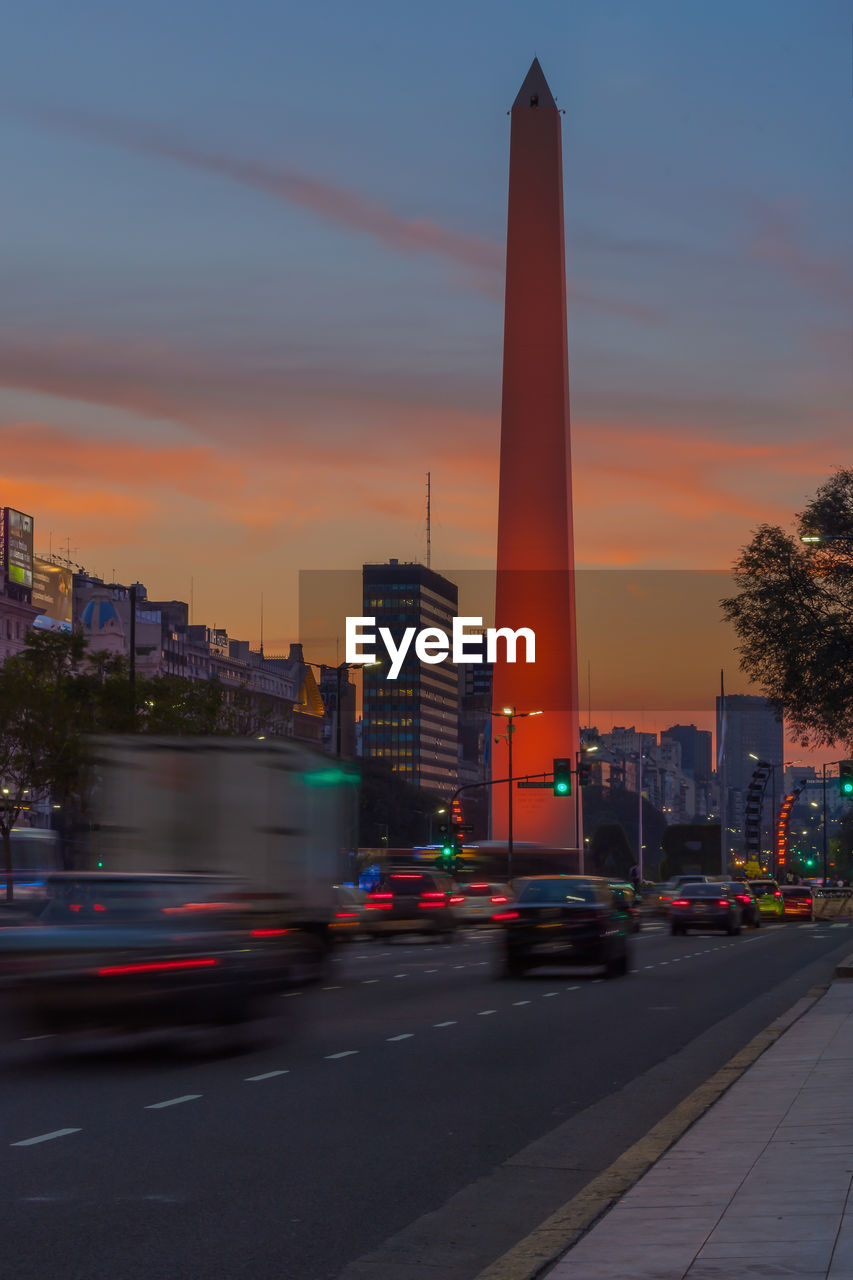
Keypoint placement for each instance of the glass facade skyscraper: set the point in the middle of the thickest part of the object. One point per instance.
(412, 723)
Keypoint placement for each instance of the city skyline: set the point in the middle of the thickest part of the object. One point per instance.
(232, 311)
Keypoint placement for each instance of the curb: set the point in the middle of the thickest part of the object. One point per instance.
(845, 969)
(544, 1246)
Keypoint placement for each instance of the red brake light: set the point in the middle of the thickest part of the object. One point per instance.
(723, 902)
(347, 915)
(742, 897)
(424, 905)
(158, 966)
(679, 902)
(499, 898)
(433, 893)
(778, 893)
(75, 906)
(268, 933)
(99, 907)
(477, 886)
(457, 898)
(505, 915)
(808, 902)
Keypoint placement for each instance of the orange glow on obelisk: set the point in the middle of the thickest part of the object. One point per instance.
(535, 562)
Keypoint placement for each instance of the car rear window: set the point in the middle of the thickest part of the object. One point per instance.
(796, 892)
(763, 886)
(408, 883)
(477, 890)
(560, 891)
(703, 890)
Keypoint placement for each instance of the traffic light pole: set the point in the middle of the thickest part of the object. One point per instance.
(825, 841)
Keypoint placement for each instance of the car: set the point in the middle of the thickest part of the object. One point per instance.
(348, 921)
(798, 901)
(628, 897)
(672, 889)
(565, 920)
(412, 902)
(480, 902)
(705, 906)
(769, 895)
(748, 902)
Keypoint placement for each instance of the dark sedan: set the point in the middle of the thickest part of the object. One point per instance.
(705, 906)
(560, 920)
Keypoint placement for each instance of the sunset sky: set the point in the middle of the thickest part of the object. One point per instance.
(252, 280)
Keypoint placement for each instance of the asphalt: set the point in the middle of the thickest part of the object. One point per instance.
(415, 1117)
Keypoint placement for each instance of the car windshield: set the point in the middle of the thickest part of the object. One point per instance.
(559, 891)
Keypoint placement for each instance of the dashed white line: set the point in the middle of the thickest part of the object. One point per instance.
(518, 1002)
(172, 1102)
(430, 970)
(330, 988)
(574, 988)
(546, 994)
(347, 1053)
(48, 1036)
(287, 995)
(484, 1013)
(365, 982)
(407, 1035)
(43, 1137)
(444, 1024)
(267, 1075)
(401, 975)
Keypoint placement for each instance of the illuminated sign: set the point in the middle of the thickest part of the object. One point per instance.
(16, 549)
(52, 590)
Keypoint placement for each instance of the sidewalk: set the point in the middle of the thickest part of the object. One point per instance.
(760, 1186)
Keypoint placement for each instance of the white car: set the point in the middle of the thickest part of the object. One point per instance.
(477, 903)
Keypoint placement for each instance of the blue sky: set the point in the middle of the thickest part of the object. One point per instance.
(251, 286)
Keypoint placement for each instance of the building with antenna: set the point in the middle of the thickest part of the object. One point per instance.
(412, 723)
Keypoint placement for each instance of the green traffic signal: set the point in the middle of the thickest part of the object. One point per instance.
(562, 777)
(845, 778)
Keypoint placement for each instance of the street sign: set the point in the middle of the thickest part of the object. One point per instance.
(532, 786)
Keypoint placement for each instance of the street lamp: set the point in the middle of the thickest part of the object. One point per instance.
(511, 715)
(584, 751)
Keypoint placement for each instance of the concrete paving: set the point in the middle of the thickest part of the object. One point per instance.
(760, 1186)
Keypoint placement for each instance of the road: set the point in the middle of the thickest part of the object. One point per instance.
(412, 1084)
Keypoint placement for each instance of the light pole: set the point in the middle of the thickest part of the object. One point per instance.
(510, 714)
(432, 815)
(584, 751)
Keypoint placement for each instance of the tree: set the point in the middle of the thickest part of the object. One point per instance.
(793, 615)
(610, 852)
(393, 808)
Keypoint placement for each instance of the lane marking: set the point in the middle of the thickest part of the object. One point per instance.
(267, 1075)
(484, 1013)
(546, 994)
(401, 975)
(347, 1053)
(330, 988)
(430, 970)
(573, 988)
(444, 1024)
(287, 995)
(43, 1137)
(48, 1036)
(408, 1035)
(172, 1102)
(365, 982)
(516, 1003)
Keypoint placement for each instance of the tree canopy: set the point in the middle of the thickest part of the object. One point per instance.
(793, 615)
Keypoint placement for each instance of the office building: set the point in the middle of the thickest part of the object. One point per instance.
(411, 723)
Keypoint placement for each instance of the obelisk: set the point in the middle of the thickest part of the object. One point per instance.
(535, 560)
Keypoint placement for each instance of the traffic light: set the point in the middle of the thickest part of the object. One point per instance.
(845, 779)
(562, 777)
(584, 773)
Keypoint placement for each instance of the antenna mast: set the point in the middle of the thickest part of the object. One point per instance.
(429, 521)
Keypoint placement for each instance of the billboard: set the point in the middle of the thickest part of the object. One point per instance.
(52, 590)
(16, 551)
